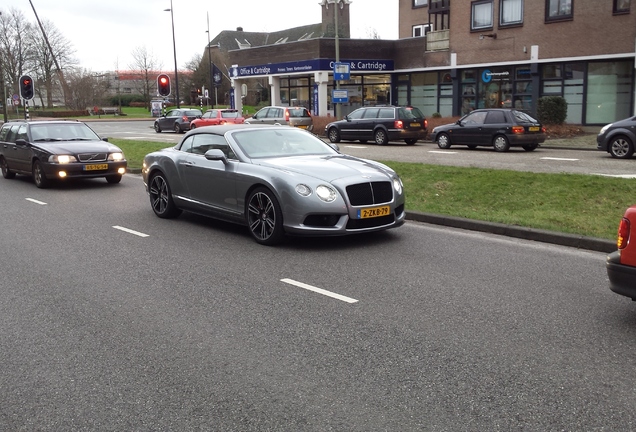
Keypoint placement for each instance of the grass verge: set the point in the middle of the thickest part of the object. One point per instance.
(578, 204)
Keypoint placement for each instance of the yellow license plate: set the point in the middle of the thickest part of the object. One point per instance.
(415, 125)
(533, 128)
(302, 126)
(95, 167)
(374, 212)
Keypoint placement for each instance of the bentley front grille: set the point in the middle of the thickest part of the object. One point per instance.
(370, 193)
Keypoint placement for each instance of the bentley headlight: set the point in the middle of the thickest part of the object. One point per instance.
(303, 190)
(62, 159)
(326, 193)
(116, 157)
(397, 185)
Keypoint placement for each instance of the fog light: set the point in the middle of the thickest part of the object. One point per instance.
(61, 174)
(121, 171)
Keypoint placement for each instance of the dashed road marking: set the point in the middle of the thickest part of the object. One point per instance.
(319, 290)
(36, 201)
(137, 233)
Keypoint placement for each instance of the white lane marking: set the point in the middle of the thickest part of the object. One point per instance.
(319, 290)
(35, 201)
(558, 159)
(356, 147)
(137, 233)
(626, 176)
(442, 152)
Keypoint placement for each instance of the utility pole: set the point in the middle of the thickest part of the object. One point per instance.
(4, 89)
(67, 91)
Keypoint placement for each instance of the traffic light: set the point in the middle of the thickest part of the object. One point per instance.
(163, 85)
(26, 87)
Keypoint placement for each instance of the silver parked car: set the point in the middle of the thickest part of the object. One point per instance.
(276, 180)
(280, 115)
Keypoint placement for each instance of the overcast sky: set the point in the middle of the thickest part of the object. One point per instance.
(104, 32)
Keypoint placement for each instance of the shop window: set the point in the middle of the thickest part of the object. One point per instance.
(481, 15)
(621, 6)
(551, 71)
(420, 3)
(511, 12)
(552, 87)
(558, 10)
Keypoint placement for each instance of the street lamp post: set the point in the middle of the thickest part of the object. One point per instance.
(174, 47)
(210, 60)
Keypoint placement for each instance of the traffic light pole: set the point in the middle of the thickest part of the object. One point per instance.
(26, 109)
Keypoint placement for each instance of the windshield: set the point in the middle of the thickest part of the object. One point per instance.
(62, 132)
(229, 114)
(280, 142)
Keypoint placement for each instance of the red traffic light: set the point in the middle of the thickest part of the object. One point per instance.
(26, 87)
(163, 85)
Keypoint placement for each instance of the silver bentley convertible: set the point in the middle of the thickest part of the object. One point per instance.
(276, 180)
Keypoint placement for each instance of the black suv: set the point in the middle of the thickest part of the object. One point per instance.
(380, 124)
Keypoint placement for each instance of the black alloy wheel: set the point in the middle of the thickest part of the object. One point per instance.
(176, 128)
(39, 178)
(157, 127)
(6, 172)
(264, 217)
(161, 197)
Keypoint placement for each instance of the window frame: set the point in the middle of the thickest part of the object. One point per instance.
(423, 28)
(414, 4)
(501, 15)
(616, 10)
(560, 17)
(476, 3)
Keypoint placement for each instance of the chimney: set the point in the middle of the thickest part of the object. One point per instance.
(329, 7)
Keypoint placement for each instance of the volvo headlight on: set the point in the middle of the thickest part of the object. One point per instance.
(326, 193)
(116, 157)
(62, 159)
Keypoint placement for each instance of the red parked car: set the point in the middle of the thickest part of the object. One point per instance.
(621, 265)
(217, 117)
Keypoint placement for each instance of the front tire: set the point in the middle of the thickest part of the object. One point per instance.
(6, 172)
(113, 179)
(334, 135)
(161, 197)
(157, 127)
(501, 144)
(443, 141)
(264, 217)
(193, 126)
(380, 137)
(39, 178)
(621, 148)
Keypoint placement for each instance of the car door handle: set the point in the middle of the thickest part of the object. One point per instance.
(188, 163)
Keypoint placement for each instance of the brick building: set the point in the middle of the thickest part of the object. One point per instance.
(450, 59)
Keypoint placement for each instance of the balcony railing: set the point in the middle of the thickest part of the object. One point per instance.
(438, 40)
(437, 6)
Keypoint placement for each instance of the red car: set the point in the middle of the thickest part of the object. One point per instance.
(217, 117)
(621, 265)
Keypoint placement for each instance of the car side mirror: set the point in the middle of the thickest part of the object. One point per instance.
(216, 154)
(335, 147)
(347, 118)
(105, 139)
(21, 142)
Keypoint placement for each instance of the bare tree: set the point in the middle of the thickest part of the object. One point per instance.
(15, 55)
(147, 66)
(87, 89)
(43, 62)
(372, 33)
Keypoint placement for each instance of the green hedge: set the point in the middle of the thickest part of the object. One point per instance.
(552, 110)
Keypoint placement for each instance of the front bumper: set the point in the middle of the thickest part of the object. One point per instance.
(84, 170)
(622, 277)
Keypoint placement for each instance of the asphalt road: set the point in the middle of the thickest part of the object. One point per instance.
(113, 319)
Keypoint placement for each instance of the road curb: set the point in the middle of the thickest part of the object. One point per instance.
(570, 240)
